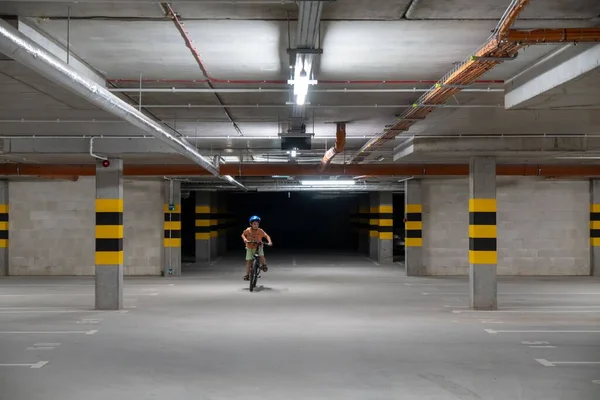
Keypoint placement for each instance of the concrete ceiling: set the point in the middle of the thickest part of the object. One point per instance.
(361, 40)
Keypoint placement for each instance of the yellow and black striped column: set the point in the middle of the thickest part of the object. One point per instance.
(381, 227)
(214, 224)
(482, 232)
(3, 228)
(413, 228)
(172, 229)
(363, 224)
(109, 236)
(203, 227)
(595, 227)
(483, 247)
(222, 223)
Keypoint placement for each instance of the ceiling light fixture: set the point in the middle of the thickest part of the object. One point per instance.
(329, 183)
(294, 153)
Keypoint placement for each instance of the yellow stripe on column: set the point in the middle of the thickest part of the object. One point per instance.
(4, 226)
(109, 257)
(386, 209)
(413, 242)
(593, 208)
(386, 235)
(172, 242)
(482, 231)
(172, 225)
(595, 242)
(414, 208)
(202, 235)
(482, 205)
(202, 209)
(3, 243)
(109, 231)
(3, 208)
(483, 257)
(109, 205)
(414, 225)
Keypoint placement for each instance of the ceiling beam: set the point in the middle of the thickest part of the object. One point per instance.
(267, 170)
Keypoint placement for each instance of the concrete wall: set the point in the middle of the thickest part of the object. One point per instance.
(543, 227)
(52, 227)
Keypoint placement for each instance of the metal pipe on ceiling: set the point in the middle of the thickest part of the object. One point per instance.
(463, 74)
(323, 106)
(261, 90)
(553, 36)
(282, 82)
(170, 13)
(25, 51)
(267, 170)
(338, 147)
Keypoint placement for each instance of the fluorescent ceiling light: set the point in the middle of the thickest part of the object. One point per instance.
(328, 183)
(294, 153)
(578, 158)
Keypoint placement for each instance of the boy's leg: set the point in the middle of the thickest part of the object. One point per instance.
(249, 259)
(248, 267)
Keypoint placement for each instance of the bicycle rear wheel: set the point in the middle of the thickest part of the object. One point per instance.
(253, 275)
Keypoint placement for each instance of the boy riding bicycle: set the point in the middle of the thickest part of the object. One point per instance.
(251, 236)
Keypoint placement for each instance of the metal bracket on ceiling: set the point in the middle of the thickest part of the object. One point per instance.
(304, 51)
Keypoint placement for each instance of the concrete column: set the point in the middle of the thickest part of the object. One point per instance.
(172, 229)
(373, 225)
(381, 233)
(413, 228)
(595, 227)
(483, 253)
(109, 236)
(222, 223)
(214, 224)
(203, 253)
(363, 224)
(4, 228)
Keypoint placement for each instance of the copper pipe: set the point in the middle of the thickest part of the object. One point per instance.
(444, 89)
(338, 147)
(69, 171)
(566, 35)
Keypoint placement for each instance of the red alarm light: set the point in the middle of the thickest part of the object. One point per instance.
(105, 163)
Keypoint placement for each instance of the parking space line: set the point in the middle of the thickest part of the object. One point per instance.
(40, 348)
(37, 365)
(529, 311)
(48, 332)
(72, 294)
(542, 347)
(547, 363)
(494, 332)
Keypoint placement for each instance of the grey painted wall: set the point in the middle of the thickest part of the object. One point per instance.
(52, 227)
(543, 226)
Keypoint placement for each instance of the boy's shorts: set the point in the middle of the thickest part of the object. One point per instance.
(250, 253)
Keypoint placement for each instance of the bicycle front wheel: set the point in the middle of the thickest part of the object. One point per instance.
(253, 275)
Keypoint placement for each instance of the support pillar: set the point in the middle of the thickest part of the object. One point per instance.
(172, 229)
(413, 227)
(4, 228)
(363, 224)
(214, 225)
(222, 223)
(109, 236)
(483, 255)
(595, 227)
(381, 232)
(203, 253)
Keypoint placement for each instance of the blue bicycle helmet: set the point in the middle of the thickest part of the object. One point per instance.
(254, 218)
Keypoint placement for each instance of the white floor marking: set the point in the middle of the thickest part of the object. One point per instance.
(47, 344)
(35, 366)
(426, 294)
(42, 311)
(527, 294)
(542, 347)
(596, 382)
(48, 332)
(530, 311)
(493, 332)
(491, 321)
(40, 348)
(448, 306)
(408, 284)
(71, 294)
(535, 342)
(89, 321)
(547, 363)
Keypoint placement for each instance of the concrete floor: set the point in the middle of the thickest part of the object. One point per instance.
(322, 327)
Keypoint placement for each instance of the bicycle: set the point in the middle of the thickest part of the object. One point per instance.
(255, 269)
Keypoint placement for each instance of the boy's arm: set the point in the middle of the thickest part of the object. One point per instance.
(244, 237)
(269, 241)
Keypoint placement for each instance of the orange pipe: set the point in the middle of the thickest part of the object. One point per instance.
(466, 74)
(338, 147)
(68, 171)
(535, 36)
